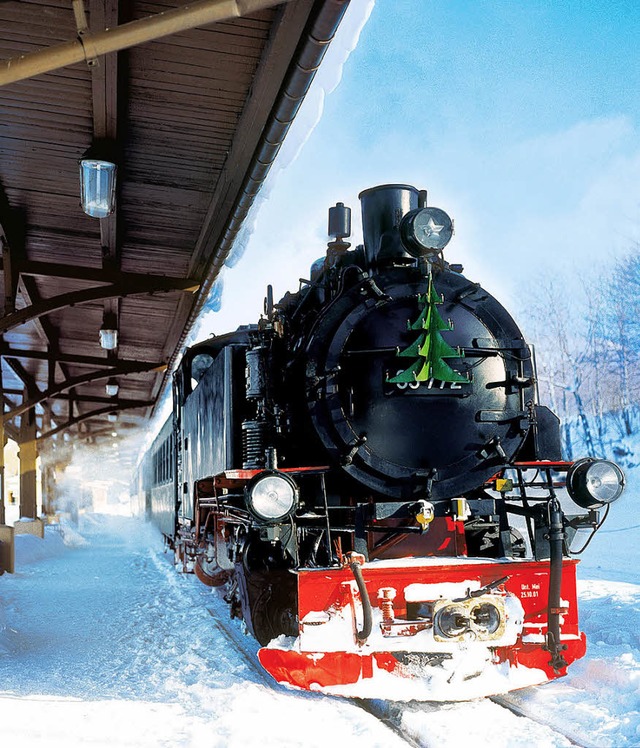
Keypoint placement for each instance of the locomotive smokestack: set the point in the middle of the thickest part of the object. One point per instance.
(382, 210)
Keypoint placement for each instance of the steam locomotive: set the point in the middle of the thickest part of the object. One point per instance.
(369, 476)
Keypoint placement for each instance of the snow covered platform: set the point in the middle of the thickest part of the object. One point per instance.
(102, 643)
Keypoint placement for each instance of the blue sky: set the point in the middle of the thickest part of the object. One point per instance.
(519, 118)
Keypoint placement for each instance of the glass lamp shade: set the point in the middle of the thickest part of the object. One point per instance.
(108, 339)
(112, 388)
(97, 187)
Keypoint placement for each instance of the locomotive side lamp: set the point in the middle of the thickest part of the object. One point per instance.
(594, 483)
(271, 496)
(97, 182)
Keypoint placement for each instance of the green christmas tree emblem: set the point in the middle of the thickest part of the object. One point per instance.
(429, 349)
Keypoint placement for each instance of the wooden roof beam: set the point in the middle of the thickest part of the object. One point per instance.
(150, 284)
(44, 328)
(33, 392)
(98, 275)
(104, 89)
(79, 399)
(94, 376)
(12, 246)
(68, 358)
(10, 274)
(85, 416)
(49, 336)
(23, 375)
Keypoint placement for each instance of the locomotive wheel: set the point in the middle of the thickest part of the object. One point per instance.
(209, 573)
(269, 602)
(272, 620)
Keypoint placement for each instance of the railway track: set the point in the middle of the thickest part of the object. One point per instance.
(506, 702)
(389, 713)
(233, 633)
(437, 724)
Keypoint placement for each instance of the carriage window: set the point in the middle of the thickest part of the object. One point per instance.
(199, 364)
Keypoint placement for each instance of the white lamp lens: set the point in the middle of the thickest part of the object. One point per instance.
(452, 620)
(97, 186)
(272, 497)
(604, 481)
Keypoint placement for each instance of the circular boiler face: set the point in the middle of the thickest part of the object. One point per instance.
(425, 397)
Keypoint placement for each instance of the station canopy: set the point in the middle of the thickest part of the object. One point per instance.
(190, 102)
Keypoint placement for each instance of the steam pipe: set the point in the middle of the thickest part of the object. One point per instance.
(88, 46)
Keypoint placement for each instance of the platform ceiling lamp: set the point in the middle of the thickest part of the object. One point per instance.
(109, 332)
(98, 172)
(112, 387)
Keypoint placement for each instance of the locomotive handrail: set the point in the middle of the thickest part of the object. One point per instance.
(543, 464)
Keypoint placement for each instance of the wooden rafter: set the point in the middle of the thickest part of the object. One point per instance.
(99, 275)
(94, 376)
(46, 331)
(69, 358)
(79, 398)
(152, 284)
(93, 414)
(24, 376)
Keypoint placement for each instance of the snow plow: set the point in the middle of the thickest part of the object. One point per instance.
(400, 632)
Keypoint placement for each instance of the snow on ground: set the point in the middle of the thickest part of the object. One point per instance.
(102, 643)
(599, 701)
(106, 645)
(597, 705)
